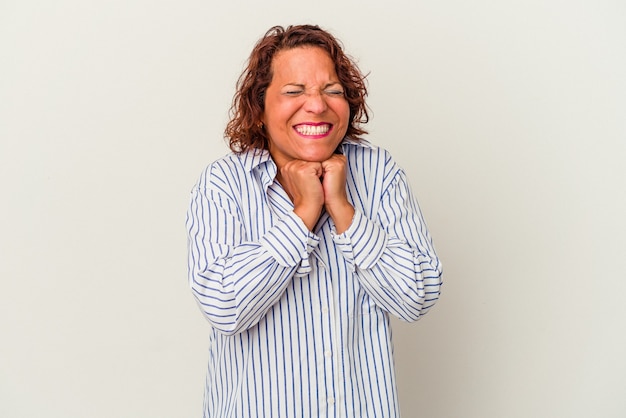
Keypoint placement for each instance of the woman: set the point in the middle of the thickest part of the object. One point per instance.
(303, 241)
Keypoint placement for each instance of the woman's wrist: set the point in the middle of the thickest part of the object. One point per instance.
(341, 215)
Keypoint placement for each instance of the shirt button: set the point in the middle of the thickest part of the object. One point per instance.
(331, 400)
(325, 310)
(328, 353)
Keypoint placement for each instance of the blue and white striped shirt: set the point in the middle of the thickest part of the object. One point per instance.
(300, 324)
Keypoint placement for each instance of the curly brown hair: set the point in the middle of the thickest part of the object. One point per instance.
(245, 130)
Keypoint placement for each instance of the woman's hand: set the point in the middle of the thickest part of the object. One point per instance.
(335, 196)
(301, 181)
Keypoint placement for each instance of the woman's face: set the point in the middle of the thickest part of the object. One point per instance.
(306, 114)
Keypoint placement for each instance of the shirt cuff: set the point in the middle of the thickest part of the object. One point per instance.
(363, 243)
(290, 242)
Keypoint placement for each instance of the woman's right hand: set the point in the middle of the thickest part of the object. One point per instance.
(302, 182)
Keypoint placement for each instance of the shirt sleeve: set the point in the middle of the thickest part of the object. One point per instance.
(393, 257)
(236, 281)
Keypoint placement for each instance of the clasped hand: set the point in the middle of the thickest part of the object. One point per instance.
(316, 185)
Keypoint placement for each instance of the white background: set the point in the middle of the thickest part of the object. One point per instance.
(509, 117)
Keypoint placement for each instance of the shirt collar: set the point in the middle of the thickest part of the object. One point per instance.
(358, 142)
(254, 157)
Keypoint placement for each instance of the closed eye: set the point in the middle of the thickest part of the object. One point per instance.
(334, 92)
(293, 92)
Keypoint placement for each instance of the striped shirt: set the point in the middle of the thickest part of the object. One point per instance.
(299, 319)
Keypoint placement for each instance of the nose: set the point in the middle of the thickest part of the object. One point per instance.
(315, 102)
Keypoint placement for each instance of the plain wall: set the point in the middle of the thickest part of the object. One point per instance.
(509, 117)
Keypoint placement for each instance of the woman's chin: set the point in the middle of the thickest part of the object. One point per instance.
(317, 159)
(317, 155)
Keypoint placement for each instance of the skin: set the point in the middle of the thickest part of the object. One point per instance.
(306, 116)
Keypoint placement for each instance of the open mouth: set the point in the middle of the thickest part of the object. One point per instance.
(307, 129)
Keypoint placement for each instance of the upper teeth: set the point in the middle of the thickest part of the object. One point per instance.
(312, 129)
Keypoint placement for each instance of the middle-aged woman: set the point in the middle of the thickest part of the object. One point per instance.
(303, 241)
